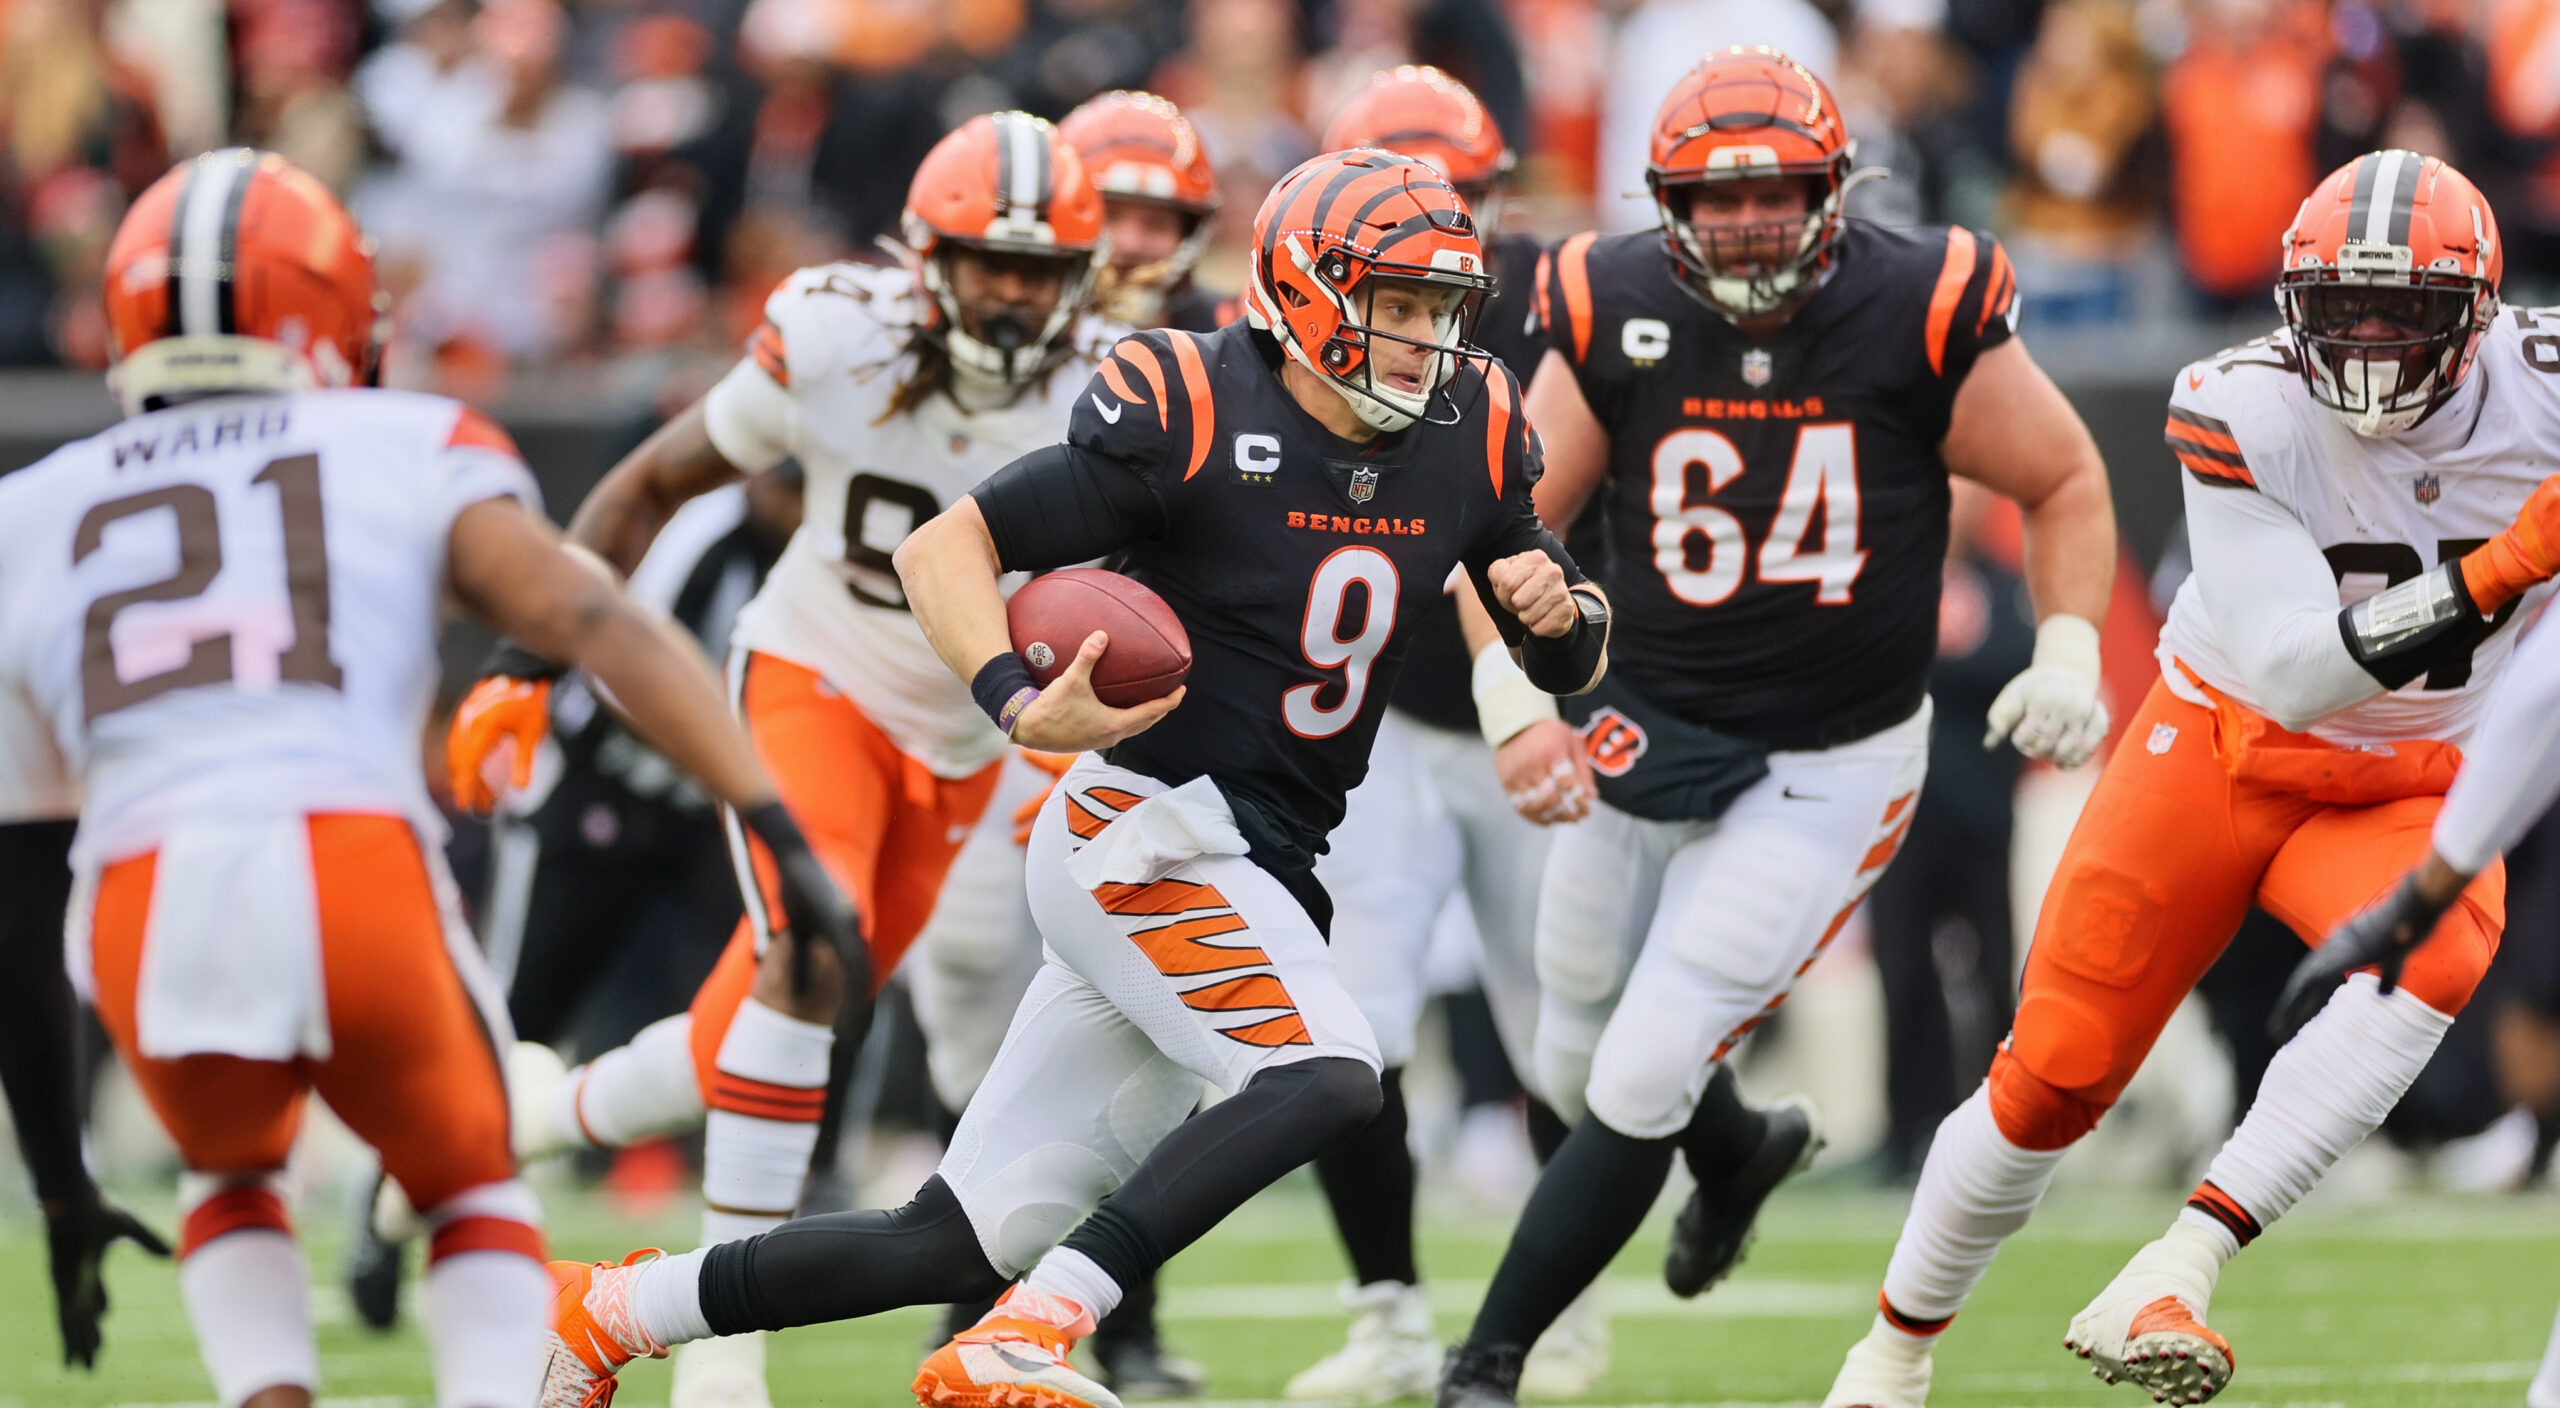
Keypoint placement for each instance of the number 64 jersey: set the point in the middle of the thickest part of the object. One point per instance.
(2292, 515)
(231, 607)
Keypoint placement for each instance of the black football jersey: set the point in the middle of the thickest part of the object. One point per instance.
(1437, 683)
(1776, 511)
(1298, 561)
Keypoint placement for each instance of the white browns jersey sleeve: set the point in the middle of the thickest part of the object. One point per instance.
(2292, 516)
(2511, 769)
(232, 607)
(816, 385)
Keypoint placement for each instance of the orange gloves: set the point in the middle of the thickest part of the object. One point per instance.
(2522, 557)
(490, 745)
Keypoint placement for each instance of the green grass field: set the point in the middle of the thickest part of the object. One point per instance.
(2439, 1300)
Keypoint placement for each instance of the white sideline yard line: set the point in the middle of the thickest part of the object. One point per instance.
(1625, 1297)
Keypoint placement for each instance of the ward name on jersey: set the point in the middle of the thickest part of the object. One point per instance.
(1299, 562)
(2379, 510)
(817, 386)
(1776, 510)
(231, 607)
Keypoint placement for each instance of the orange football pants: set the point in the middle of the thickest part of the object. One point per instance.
(2166, 860)
(412, 1069)
(882, 823)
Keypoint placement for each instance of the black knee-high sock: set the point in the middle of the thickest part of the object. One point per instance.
(1724, 1133)
(1547, 1130)
(1593, 1195)
(842, 1265)
(1368, 1181)
(1211, 1163)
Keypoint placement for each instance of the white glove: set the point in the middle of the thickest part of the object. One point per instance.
(2051, 710)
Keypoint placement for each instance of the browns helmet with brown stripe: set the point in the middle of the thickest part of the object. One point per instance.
(1750, 114)
(2390, 281)
(1004, 186)
(1140, 150)
(237, 271)
(1333, 228)
(1418, 111)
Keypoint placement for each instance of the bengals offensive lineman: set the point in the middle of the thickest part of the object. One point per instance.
(2367, 499)
(896, 390)
(226, 609)
(1297, 489)
(1768, 398)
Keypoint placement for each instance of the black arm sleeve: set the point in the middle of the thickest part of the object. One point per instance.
(1542, 541)
(38, 1053)
(1060, 505)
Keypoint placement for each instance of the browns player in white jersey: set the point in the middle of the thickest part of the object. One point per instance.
(2368, 500)
(226, 609)
(896, 389)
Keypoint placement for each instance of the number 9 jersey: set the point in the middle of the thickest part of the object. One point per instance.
(230, 608)
(818, 385)
(1776, 510)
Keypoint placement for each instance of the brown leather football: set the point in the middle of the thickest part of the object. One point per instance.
(1149, 653)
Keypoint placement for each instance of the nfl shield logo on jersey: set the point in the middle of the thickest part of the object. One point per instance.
(2428, 488)
(1364, 484)
(1756, 367)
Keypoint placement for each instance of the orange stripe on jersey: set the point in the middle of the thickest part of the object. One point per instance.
(1176, 950)
(766, 347)
(1195, 381)
(1996, 296)
(1882, 851)
(1290, 1030)
(1208, 926)
(1084, 821)
(1119, 384)
(1240, 995)
(1158, 897)
(2202, 430)
(1952, 278)
(1573, 270)
(1114, 797)
(1538, 300)
(1497, 426)
(1894, 808)
(2216, 473)
(474, 431)
(1150, 367)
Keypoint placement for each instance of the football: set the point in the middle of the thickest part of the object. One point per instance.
(1149, 653)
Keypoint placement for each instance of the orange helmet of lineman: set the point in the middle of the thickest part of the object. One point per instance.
(1421, 112)
(2390, 281)
(238, 271)
(1006, 189)
(1749, 114)
(1324, 238)
(1147, 161)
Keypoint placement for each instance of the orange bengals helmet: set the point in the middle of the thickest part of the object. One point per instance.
(1139, 148)
(1004, 185)
(2390, 281)
(1746, 114)
(1328, 229)
(239, 272)
(1423, 113)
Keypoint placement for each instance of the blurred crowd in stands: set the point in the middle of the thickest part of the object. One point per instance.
(555, 180)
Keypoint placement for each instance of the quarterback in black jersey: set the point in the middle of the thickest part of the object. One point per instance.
(1767, 398)
(1293, 488)
(1430, 823)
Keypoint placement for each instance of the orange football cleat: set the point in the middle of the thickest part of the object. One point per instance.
(1015, 1357)
(594, 1331)
(2163, 1348)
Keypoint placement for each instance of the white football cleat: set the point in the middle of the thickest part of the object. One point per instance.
(1572, 1357)
(535, 1074)
(2147, 1327)
(727, 1372)
(1883, 1370)
(1393, 1350)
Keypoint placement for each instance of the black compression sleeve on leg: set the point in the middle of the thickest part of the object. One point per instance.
(1368, 1181)
(38, 1053)
(1724, 1133)
(843, 1265)
(1547, 1130)
(1590, 1200)
(1211, 1163)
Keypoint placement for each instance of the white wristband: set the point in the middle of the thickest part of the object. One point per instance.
(2068, 642)
(1505, 700)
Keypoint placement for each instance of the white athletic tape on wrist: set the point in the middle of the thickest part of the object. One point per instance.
(1505, 700)
(2067, 642)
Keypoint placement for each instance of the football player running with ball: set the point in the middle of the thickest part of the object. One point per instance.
(896, 389)
(1296, 489)
(2365, 496)
(1770, 398)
